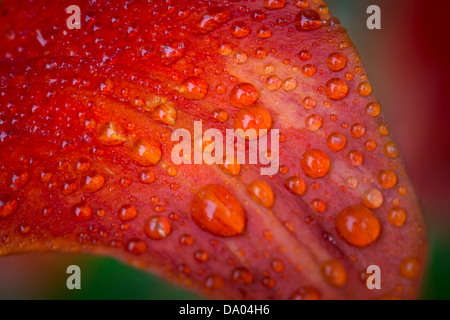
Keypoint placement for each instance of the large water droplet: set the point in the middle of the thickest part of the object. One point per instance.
(358, 226)
(315, 163)
(243, 95)
(307, 20)
(216, 210)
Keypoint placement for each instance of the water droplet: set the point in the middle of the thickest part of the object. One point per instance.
(370, 145)
(69, 187)
(220, 115)
(296, 185)
(357, 130)
(387, 179)
(201, 256)
(230, 166)
(334, 273)
(225, 49)
(172, 52)
(373, 109)
(194, 88)
(147, 177)
(186, 240)
(125, 182)
(336, 89)
(258, 15)
(274, 4)
(214, 282)
(336, 141)
(302, 4)
(397, 216)
(256, 118)
(82, 212)
(304, 55)
(305, 293)
(383, 129)
(127, 213)
(308, 70)
(136, 246)
(307, 20)
(112, 134)
(93, 182)
(364, 89)
(18, 180)
(240, 30)
(157, 228)
(410, 268)
(273, 83)
(262, 193)
(309, 103)
(242, 275)
(373, 199)
(263, 33)
(216, 210)
(277, 266)
(240, 57)
(352, 182)
(82, 166)
(358, 226)
(146, 152)
(7, 206)
(315, 163)
(46, 176)
(336, 61)
(313, 122)
(165, 113)
(107, 86)
(391, 150)
(213, 19)
(318, 205)
(289, 84)
(355, 158)
(243, 95)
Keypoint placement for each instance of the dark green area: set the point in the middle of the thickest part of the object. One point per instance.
(106, 278)
(437, 279)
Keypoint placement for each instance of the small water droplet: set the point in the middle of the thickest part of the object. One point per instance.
(157, 228)
(262, 193)
(127, 213)
(8, 206)
(373, 198)
(82, 212)
(334, 273)
(397, 216)
(336, 141)
(93, 182)
(336, 61)
(336, 89)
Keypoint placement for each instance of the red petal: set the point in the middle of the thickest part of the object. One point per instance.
(85, 141)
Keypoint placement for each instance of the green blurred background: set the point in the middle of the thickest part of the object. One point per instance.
(397, 47)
